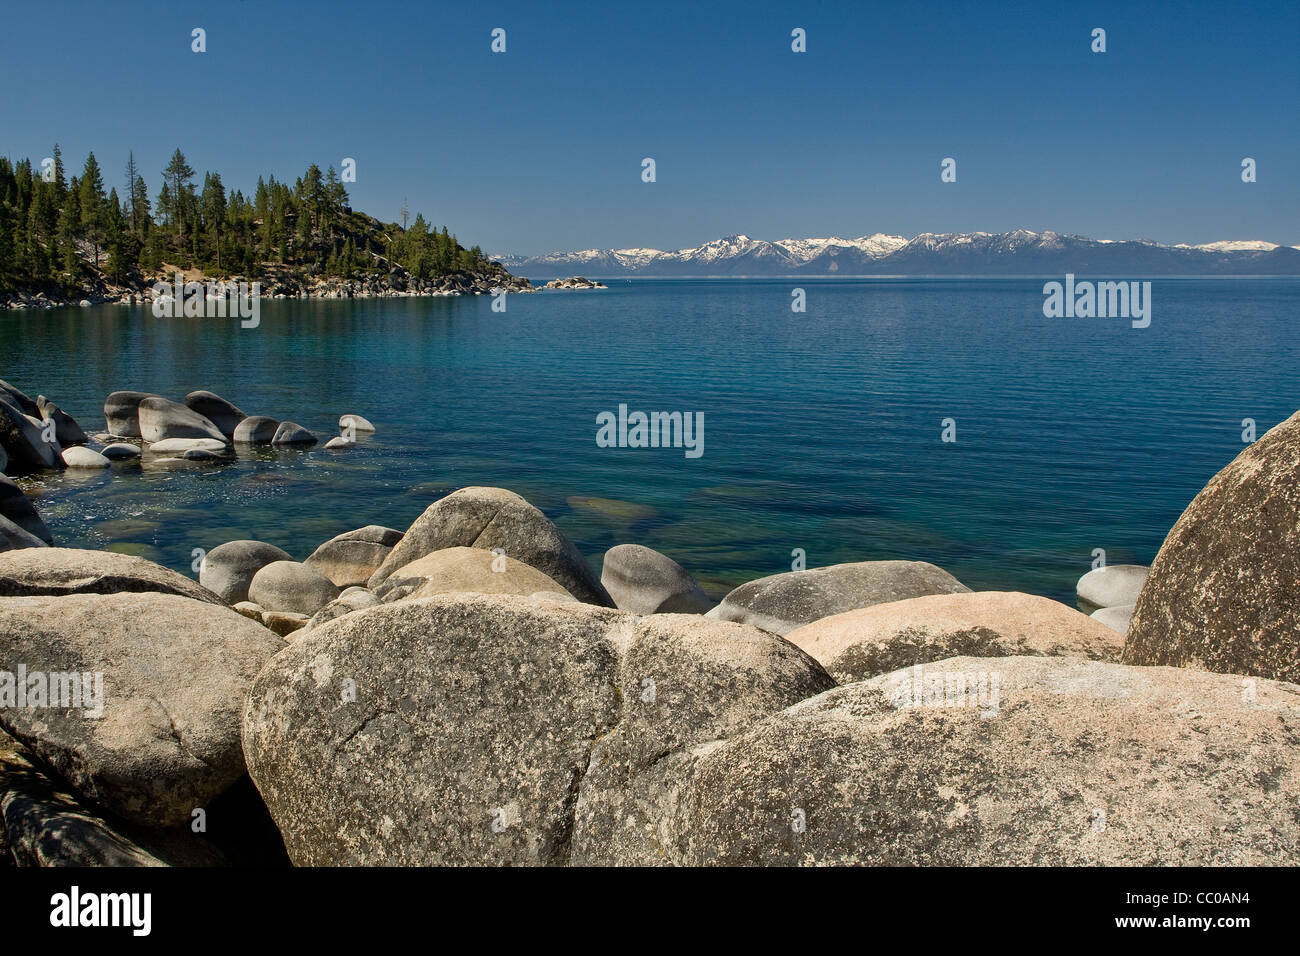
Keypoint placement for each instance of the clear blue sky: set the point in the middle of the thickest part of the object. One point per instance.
(540, 148)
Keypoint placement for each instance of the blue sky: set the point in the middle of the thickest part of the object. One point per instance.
(540, 148)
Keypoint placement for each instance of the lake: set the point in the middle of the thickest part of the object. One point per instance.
(822, 429)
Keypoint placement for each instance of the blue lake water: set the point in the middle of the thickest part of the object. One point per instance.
(821, 430)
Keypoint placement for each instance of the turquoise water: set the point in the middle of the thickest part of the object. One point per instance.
(821, 429)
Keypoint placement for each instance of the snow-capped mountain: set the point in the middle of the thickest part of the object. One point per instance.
(1020, 252)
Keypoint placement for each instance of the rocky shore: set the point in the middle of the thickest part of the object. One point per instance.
(282, 283)
(469, 691)
(289, 284)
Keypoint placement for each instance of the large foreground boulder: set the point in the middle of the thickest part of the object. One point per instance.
(225, 415)
(459, 729)
(1042, 761)
(16, 506)
(643, 581)
(491, 518)
(859, 644)
(227, 570)
(1222, 594)
(122, 413)
(63, 571)
(291, 586)
(161, 418)
(782, 602)
(168, 676)
(351, 558)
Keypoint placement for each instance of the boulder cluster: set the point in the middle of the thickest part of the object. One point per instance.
(470, 692)
(140, 427)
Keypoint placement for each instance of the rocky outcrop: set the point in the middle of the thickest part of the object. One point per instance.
(491, 518)
(460, 729)
(161, 419)
(225, 415)
(172, 677)
(122, 413)
(64, 571)
(1077, 763)
(782, 602)
(1222, 593)
(860, 644)
(24, 440)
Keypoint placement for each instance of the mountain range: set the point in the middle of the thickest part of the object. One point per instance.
(967, 253)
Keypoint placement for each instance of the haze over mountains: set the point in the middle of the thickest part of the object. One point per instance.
(969, 253)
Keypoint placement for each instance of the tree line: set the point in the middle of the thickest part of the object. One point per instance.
(63, 232)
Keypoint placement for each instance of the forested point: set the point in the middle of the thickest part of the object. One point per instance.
(65, 236)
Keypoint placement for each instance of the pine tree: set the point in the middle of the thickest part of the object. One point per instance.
(214, 207)
(92, 204)
(179, 174)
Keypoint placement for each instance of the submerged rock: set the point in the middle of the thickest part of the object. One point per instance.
(120, 451)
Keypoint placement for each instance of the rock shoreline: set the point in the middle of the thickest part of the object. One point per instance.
(396, 284)
(468, 691)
